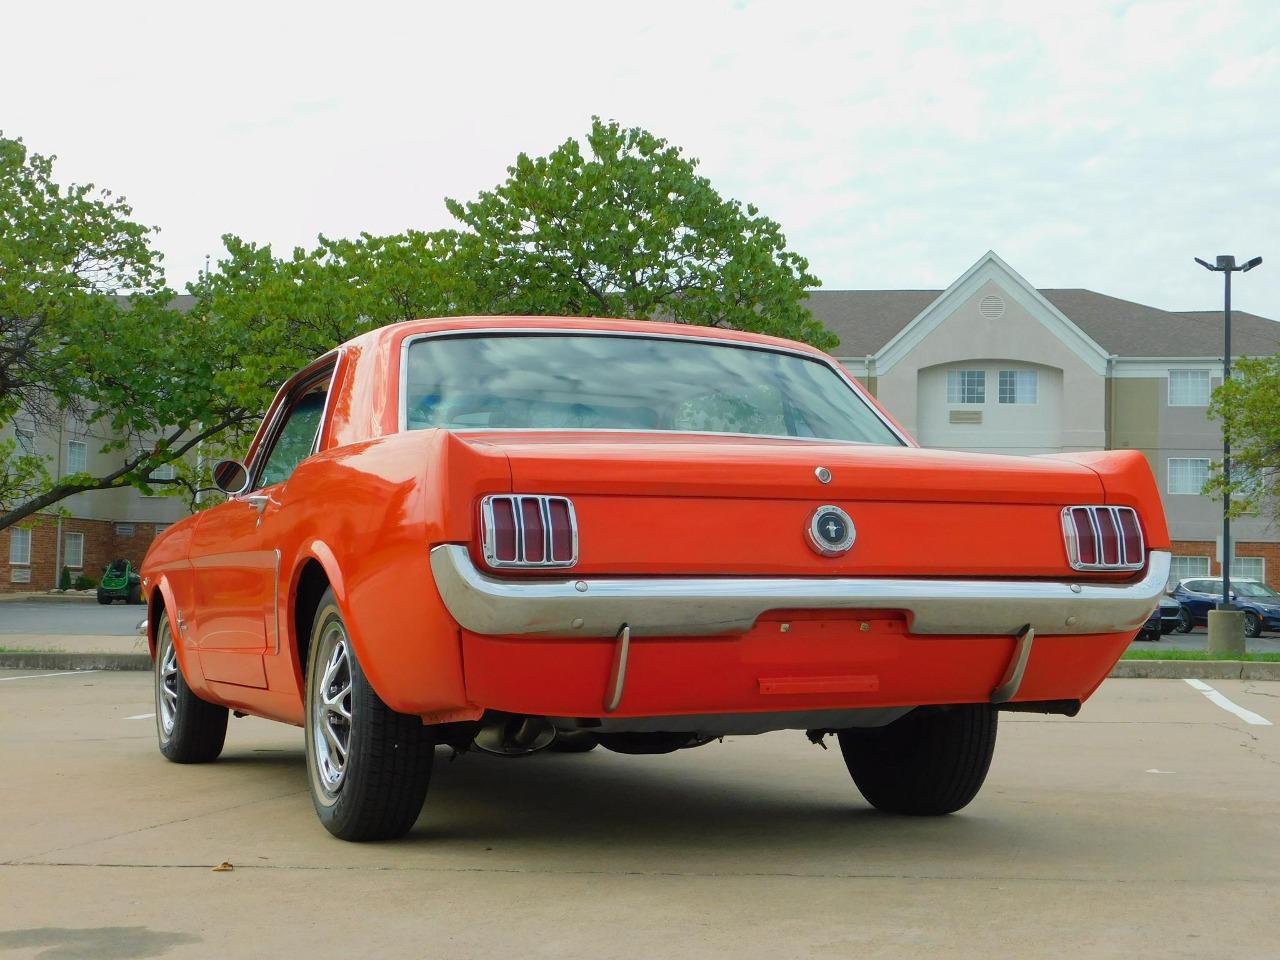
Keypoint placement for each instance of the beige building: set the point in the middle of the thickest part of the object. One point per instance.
(992, 364)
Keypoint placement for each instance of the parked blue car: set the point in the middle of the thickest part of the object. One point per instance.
(1164, 619)
(1260, 603)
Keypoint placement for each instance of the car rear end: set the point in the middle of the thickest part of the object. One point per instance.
(635, 579)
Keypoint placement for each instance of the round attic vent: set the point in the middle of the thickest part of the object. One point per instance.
(991, 308)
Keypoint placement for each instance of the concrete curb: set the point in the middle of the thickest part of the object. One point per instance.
(49, 597)
(1197, 669)
(53, 660)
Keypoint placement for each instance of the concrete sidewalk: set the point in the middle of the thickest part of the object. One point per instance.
(69, 596)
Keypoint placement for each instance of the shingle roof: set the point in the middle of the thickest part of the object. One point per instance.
(865, 320)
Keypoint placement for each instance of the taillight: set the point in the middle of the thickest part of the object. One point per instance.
(1103, 538)
(527, 530)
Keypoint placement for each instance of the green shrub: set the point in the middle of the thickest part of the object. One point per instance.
(83, 582)
(64, 581)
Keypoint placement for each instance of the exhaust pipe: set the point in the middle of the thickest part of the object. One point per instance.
(515, 736)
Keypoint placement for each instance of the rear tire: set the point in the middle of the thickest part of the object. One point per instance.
(367, 765)
(1252, 625)
(190, 730)
(930, 762)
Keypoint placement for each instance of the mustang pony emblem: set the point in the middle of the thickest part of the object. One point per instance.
(830, 531)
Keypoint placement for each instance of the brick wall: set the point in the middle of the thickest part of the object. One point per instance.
(1270, 552)
(104, 541)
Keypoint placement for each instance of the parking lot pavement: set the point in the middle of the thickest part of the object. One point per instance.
(45, 618)
(1147, 826)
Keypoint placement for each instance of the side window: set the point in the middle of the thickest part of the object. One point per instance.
(295, 440)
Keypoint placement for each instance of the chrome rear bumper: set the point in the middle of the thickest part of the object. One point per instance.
(712, 606)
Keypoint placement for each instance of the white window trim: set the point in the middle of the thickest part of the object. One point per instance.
(1262, 576)
(1015, 402)
(1184, 557)
(67, 539)
(27, 446)
(958, 371)
(17, 534)
(158, 473)
(1168, 484)
(85, 446)
(1169, 387)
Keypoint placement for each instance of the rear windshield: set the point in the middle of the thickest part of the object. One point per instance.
(594, 382)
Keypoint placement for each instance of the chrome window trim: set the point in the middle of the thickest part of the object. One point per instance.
(1073, 547)
(409, 341)
(488, 537)
(270, 435)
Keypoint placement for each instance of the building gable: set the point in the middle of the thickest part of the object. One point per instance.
(990, 269)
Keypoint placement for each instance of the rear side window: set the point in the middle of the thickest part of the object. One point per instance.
(295, 441)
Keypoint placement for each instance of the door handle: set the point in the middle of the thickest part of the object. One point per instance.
(258, 501)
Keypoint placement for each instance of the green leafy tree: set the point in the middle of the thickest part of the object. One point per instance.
(630, 229)
(87, 332)
(1247, 404)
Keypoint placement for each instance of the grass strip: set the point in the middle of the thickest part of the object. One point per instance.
(1197, 655)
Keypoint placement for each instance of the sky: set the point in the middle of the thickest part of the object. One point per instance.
(1090, 144)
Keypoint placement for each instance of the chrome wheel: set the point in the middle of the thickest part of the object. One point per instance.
(331, 708)
(167, 682)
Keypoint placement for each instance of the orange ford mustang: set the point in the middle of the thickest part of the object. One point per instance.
(515, 534)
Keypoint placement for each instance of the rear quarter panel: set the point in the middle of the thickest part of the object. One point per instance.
(369, 513)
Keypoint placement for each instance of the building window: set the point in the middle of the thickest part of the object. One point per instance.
(966, 386)
(1018, 386)
(1188, 474)
(26, 440)
(124, 530)
(19, 546)
(19, 574)
(162, 527)
(1249, 568)
(1180, 568)
(165, 471)
(73, 550)
(77, 456)
(1189, 388)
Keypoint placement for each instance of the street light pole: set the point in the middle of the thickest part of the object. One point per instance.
(1226, 265)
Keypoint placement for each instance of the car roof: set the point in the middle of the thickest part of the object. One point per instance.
(578, 324)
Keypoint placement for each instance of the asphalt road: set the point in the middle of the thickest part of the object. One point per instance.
(1149, 826)
(1197, 638)
(69, 618)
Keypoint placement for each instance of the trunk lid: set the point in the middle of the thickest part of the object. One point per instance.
(688, 504)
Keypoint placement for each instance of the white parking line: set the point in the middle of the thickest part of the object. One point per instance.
(141, 716)
(1248, 716)
(39, 676)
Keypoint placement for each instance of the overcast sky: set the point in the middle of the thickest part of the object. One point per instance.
(1098, 145)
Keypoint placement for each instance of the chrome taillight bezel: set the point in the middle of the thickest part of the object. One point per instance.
(1130, 557)
(488, 527)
